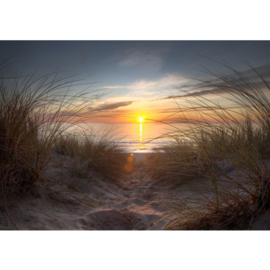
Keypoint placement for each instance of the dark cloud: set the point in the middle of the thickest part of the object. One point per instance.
(220, 84)
(110, 106)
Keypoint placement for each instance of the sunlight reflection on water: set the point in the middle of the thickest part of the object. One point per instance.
(135, 137)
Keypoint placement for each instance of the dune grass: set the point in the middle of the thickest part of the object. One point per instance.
(164, 166)
(231, 158)
(94, 150)
(34, 112)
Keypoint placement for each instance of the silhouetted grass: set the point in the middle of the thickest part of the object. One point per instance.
(96, 151)
(232, 145)
(34, 112)
(176, 164)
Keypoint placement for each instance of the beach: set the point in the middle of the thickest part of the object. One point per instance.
(64, 202)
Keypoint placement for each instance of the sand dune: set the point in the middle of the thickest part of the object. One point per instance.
(92, 202)
(87, 203)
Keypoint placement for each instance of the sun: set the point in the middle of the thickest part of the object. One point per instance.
(141, 119)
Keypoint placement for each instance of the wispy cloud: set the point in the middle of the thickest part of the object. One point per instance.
(217, 86)
(145, 87)
(147, 58)
(110, 106)
(169, 82)
(109, 87)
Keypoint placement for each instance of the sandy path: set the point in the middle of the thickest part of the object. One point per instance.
(144, 200)
(137, 205)
(68, 202)
(92, 202)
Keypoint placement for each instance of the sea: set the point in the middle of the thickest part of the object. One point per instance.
(133, 137)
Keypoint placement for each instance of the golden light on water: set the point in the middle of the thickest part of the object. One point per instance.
(141, 145)
(141, 118)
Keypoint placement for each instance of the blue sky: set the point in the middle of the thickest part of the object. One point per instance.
(132, 74)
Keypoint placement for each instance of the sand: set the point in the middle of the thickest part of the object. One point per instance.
(91, 202)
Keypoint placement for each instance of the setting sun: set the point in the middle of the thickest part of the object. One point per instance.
(140, 119)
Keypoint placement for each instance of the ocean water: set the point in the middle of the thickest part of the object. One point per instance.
(134, 137)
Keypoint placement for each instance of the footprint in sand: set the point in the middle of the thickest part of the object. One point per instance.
(116, 220)
(139, 202)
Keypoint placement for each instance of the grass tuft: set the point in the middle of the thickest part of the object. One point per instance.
(34, 112)
(96, 151)
(231, 157)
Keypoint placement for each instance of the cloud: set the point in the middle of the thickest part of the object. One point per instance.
(247, 79)
(180, 86)
(169, 81)
(109, 87)
(151, 61)
(143, 56)
(144, 87)
(110, 106)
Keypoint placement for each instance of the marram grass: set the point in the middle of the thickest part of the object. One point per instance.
(32, 116)
(231, 158)
(97, 151)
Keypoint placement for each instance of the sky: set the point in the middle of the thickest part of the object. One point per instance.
(128, 79)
